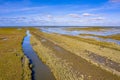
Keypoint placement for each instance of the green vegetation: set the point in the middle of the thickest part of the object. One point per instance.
(114, 36)
(13, 63)
(77, 57)
(74, 42)
(59, 67)
(87, 29)
(69, 57)
(96, 42)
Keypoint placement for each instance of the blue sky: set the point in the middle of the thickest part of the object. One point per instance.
(60, 12)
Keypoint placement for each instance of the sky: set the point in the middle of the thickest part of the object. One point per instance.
(59, 12)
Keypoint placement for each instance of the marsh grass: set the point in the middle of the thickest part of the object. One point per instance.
(59, 67)
(78, 46)
(87, 29)
(11, 55)
(66, 66)
(26, 69)
(96, 42)
(114, 36)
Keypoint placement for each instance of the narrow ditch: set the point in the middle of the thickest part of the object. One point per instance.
(39, 70)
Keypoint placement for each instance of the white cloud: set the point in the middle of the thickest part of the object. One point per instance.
(39, 19)
(74, 15)
(87, 14)
(49, 16)
(114, 1)
(98, 18)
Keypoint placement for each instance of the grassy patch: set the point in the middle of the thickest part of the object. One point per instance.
(11, 55)
(114, 36)
(60, 68)
(96, 42)
(67, 65)
(79, 46)
(87, 29)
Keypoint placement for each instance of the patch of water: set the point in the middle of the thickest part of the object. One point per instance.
(40, 70)
(75, 33)
(63, 31)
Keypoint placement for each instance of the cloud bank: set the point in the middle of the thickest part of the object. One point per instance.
(72, 14)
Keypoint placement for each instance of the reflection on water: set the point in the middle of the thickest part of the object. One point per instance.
(74, 33)
(101, 39)
(40, 71)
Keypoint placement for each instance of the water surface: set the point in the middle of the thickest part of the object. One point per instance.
(40, 70)
(108, 32)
